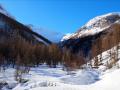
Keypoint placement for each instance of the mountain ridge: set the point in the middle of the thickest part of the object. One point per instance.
(85, 39)
(10, 24)
(95, 25)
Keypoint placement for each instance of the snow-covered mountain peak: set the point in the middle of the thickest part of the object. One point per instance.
(103, 18)
(96, 25)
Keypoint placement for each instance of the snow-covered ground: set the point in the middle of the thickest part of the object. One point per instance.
(45, 78)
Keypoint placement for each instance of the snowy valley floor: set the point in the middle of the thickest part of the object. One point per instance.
(44, 78)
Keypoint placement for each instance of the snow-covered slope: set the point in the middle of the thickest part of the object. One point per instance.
(44, 78)
(95, 25)
(67, 36)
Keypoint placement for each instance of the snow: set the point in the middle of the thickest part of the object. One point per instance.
(82, 77)
(109, 81)
(67, 36)
(105, 82)
(45, 78)
(92, 31)
(95, 25)
(94, 20)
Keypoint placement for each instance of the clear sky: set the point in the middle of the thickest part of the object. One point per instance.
(63, 16)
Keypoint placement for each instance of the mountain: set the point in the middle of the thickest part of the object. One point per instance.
(9, 24)
(98, 27)
(67, 36)
(53, 36)
(95, 25)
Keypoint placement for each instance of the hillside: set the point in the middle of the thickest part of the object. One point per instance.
(95, 25)
(10, 25)
(100, 27)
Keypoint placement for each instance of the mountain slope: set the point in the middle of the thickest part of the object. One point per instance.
(98, 28)
(53, 36)
(9, 25)
(95, 25)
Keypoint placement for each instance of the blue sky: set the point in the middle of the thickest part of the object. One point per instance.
(65, 16)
